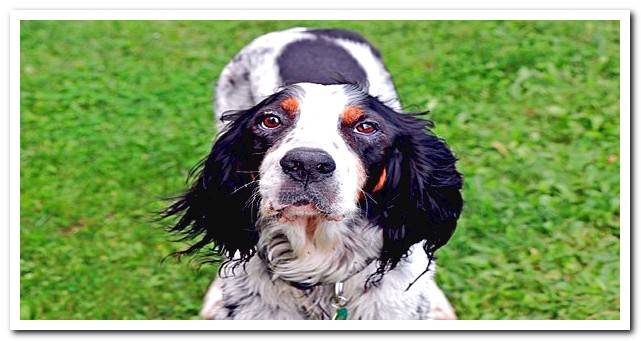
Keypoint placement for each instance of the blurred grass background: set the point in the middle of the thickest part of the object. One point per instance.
(113, 115)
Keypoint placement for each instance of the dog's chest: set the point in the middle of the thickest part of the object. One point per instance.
(255, 296)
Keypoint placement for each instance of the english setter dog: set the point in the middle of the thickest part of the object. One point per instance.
(321, 196)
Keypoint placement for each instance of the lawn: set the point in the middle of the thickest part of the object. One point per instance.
(113, 115)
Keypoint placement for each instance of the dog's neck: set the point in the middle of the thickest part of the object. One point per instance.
(325, 253)
(313, 302)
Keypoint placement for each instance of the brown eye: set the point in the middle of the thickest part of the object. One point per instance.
(270, 121)
(366, 128)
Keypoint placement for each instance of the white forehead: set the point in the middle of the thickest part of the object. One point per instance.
(322, 102)
(320, 111)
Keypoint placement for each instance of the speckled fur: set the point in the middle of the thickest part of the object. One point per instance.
(250, 293)
(252, 74)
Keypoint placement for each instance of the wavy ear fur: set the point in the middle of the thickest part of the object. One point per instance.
(219, 205)
(420, 199)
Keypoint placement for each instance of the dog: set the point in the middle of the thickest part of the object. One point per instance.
(321, 197)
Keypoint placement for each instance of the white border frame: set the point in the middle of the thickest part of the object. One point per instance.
(623, 16)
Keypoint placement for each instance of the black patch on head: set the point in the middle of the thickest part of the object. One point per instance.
(318, 61)
(343, 34)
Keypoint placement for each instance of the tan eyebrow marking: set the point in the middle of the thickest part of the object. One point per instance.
(351, 115)
(381, 181)
(290, 105)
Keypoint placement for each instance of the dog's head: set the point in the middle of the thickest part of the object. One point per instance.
(321, 180)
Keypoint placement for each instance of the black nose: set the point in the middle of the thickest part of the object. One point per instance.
(307, 164)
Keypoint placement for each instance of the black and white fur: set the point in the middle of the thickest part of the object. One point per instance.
(380, 196)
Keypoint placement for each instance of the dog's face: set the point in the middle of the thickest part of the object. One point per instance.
(312, 169)
(321, 180)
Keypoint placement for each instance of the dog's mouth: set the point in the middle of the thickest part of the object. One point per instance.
(304, 207)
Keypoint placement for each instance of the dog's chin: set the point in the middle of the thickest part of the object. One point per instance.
(305, 211)
(301, 210)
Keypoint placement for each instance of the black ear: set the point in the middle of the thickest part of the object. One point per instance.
(219, 206)
(420, 199)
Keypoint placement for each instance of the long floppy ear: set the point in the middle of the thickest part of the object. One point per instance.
(420, 198)
(219, 205)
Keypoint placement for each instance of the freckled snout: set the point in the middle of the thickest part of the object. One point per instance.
(307, 165)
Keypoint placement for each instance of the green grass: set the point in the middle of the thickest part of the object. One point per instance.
(113, 114)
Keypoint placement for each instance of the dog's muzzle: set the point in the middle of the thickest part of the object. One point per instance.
(307, 165)
(309, 172)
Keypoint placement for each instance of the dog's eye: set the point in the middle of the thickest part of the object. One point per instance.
(366, 128)
(270, 121)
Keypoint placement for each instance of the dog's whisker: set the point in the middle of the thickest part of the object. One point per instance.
(245, 185)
